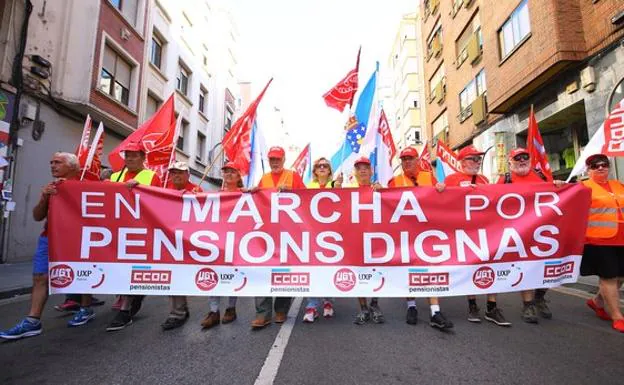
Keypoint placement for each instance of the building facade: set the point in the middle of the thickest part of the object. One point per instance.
(487, 63)
(116, 60)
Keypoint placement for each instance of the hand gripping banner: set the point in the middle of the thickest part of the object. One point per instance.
(105, 238)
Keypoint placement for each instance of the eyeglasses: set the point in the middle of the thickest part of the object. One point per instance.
(521, 157)
(600, 165)
(322, 165)
(476, 159)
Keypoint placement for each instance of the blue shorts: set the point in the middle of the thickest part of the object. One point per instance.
(40, 260)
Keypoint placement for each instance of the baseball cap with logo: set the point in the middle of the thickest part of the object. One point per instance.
(468, 151)
(133, 146)
(518, 151)
(596, 158)
(408, 151)
(276, 152)
(231, 165)
(182, 166)
(362, 160)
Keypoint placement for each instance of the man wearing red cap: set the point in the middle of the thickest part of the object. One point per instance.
(178, 180)
(133, 173)
(413, 176)
(280, 179)
(520, 171)
(470, 159)
(363, 173)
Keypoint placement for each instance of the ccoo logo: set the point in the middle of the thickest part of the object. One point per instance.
(61, 276)
(344, 279)
(206, 279)
(483, 277)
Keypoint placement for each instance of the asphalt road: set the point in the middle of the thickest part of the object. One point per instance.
(573, 348)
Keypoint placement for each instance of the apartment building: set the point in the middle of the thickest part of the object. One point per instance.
(487, 62)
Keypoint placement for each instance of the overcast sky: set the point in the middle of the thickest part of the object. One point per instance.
(307, 46)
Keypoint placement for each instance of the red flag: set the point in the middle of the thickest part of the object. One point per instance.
(303, 161)
(237, 141)
(343, 92)
(424, 160)
(386, 134)
(536, 149)
(93, 172)
(156, 136)
(613, 127)
(83, 146)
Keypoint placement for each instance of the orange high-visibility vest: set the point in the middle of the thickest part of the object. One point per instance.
(286, 180)
(603, 212)
(423, 178)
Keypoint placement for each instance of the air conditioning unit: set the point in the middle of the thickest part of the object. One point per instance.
(588, 79)
(479, 110)
(473, 48)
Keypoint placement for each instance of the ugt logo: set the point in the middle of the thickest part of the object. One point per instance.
(483, 277)
(206, 279)
(345, 279)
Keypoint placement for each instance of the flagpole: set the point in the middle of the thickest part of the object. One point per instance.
(173, 148)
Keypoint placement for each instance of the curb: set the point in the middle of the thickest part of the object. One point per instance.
(14, 292)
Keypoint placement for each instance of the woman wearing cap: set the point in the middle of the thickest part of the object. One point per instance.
(232, 182)
(604, 243)
(321, 178)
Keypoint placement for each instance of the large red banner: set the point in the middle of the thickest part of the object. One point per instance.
(394, 242)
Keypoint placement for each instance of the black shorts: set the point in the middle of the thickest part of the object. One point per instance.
(603, 261)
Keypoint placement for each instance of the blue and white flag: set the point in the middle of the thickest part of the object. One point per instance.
(257, 164)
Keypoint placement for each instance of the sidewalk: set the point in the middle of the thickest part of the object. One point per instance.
(15, 279)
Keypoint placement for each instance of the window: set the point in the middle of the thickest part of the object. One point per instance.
(228, 119)
(515, 29)
(200, 154)
(128, 8)
(182, 80)
(472, 31)
(183, 132)
(439, 127)
(115, 76)
(151, 106)
(156, 54)
(434, 42)
(203, 96)
(617, 95)
(438, 76)
(475, 88)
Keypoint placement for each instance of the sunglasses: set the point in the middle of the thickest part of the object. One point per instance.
(521, 157)
(476, 159)
(600, 165)
(322, 165)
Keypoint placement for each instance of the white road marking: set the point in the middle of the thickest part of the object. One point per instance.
(274, 358)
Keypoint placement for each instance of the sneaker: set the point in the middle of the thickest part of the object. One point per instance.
(529, 314)
(412, 315)
(618, 325)
(212, 319)
(68, 306)
(310, 315)
(438, 320)
(175, 321)
(473, 313)
(260, 322)
(328, 310)
(83, 316)
(496, 316)
(23, 329)
(96, 301)
(121, 320)
(600, 311)
(377, 316)
(542, 308)
(362, 317)
(229, 315)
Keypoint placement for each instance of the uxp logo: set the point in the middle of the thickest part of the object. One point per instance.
(285, 277)
(344, 279)
(557, 269)
(483, 277)
(147, 275)
(206, 279)
(61, 276)
(422, 277)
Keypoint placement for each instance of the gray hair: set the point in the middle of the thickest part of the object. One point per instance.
(71, 159)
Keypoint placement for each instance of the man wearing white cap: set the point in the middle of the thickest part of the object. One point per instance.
(179, 180)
